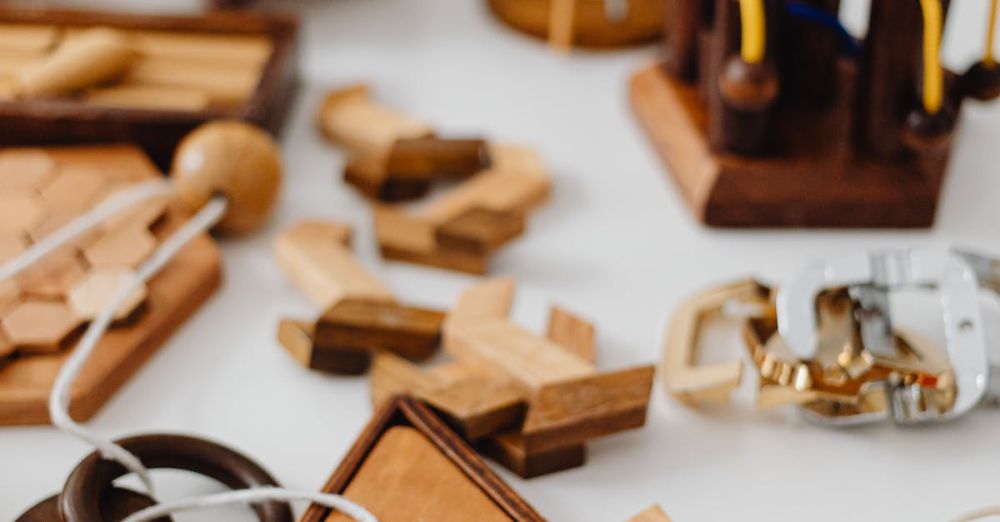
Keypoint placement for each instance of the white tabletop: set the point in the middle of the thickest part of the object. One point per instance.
(615, 244)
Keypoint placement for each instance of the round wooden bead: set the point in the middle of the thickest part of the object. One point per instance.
(748, 86)
(929, 133)
(233, 159)
(982, 81)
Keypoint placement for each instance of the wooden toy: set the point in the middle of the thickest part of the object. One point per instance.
(527, 401)
(350, 118)
(360, 315)
(49, 303)
(461, 229)
(769, 114)
(586, 23)
(653, 514)
(86, 77)
(406, 449)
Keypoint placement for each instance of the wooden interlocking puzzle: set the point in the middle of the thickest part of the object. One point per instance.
(44, 309)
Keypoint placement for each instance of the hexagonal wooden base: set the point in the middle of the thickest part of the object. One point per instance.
(812, 188)
(25, 380)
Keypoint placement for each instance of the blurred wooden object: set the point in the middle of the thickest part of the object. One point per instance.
(349, 117)
(430, 470)
(170, 73)
(652, 514)
(40, 348)
(584, 23)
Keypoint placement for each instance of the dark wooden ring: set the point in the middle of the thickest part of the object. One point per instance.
(80, 499)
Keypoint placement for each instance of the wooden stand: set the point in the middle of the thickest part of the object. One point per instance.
(812, 186)
(407, 461)
(26, 380)
(583, 23)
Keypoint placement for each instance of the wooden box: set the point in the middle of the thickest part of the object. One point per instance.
(71, 121)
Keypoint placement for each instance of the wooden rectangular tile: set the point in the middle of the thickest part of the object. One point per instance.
(491, 299)
(573, 333)
(405, 238)
(407, 331)
(222, 81)
(149, 97)
(349, 117)
(297, 339)
(479, 231)
(509, 451)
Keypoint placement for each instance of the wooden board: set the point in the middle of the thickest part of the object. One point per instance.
(25, 380)
(372, 468)
(158, 129)
(814, 188)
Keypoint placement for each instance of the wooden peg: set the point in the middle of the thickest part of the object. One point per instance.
(407, 331)
(349, 117)
(508, 449)
(92, 57)
(573, 411)
(573, 333)
(297, 338)
(315, 257)
(653, 514)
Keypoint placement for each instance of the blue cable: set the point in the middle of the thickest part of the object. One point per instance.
(848, 43)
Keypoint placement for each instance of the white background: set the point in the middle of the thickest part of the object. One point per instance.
(615, 244)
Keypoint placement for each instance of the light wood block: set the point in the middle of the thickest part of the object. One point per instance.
(95, 56)
(231, 48)
(349, 117)
(573, 333)
(149, 97)
(315, 257)
(652, 514)
(220, 82)
(491, 299)
(27, 38)
(405, 238)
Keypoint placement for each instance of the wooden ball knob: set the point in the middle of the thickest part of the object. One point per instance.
(234, 159)
(929, 133)
(748, 86)
(982, 81)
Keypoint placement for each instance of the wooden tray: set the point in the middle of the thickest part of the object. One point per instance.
(175, 293)
(403, 411)
(54, 122)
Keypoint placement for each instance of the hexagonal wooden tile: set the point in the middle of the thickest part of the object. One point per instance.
(145, 214)
(126, 246)
(74, 187)
(6, 347)
(54, 275)
(10, 295)
(39, 326)
(94, 292)
(25, 168)
(20, 211)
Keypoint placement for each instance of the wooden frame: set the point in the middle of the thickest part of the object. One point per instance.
(407, 411)
(53, 122)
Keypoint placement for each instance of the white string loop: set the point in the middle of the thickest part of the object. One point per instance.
(251, 496)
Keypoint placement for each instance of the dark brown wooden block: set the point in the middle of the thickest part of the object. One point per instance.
(509, 451)
(368, 474)
(479, 231)
(297, 339)
(410, 332)
(432, 158)
(71, 121)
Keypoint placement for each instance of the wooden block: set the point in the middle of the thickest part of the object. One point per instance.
(368, 175)
(25, 169)
(94, 292)
(431, 472)
(297, 338)
(491, 299)
(573, 333)
(502, 347)
(12, 64)
(410, 332)
(508, 450)
(431, 158)
(74, 189)
(125, 247)
(28, 38)
(315, 258)
(221, 82)
(571, 412)
(479, 231)
(254, 49)
(409, 239)
(516, 182)
(652, 514)
(349, 117)
(95, 56)
(175, 293)
(149, 97)
(53, 276)
(39, 326)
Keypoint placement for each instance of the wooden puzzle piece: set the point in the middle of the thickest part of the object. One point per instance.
(28, 38)
(462, 228)
(368, 175)
(25, 169)
(491, 299)
(53, 276)
(316, 258)
(74, 188)
(509, 450)
(653, 514)
(216, 48)
(127, 246)
(211, 81)
(297, 338)
(137, 96)
(573, 333)
(20, 211)
(430, 471)
(39, 326)
(349, 117)
(407, 331)
(94, 292)
(94, 56)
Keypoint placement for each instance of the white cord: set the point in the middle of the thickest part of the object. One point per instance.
(991, 511)
(60, 397)
(113, 206)
(251, 496)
